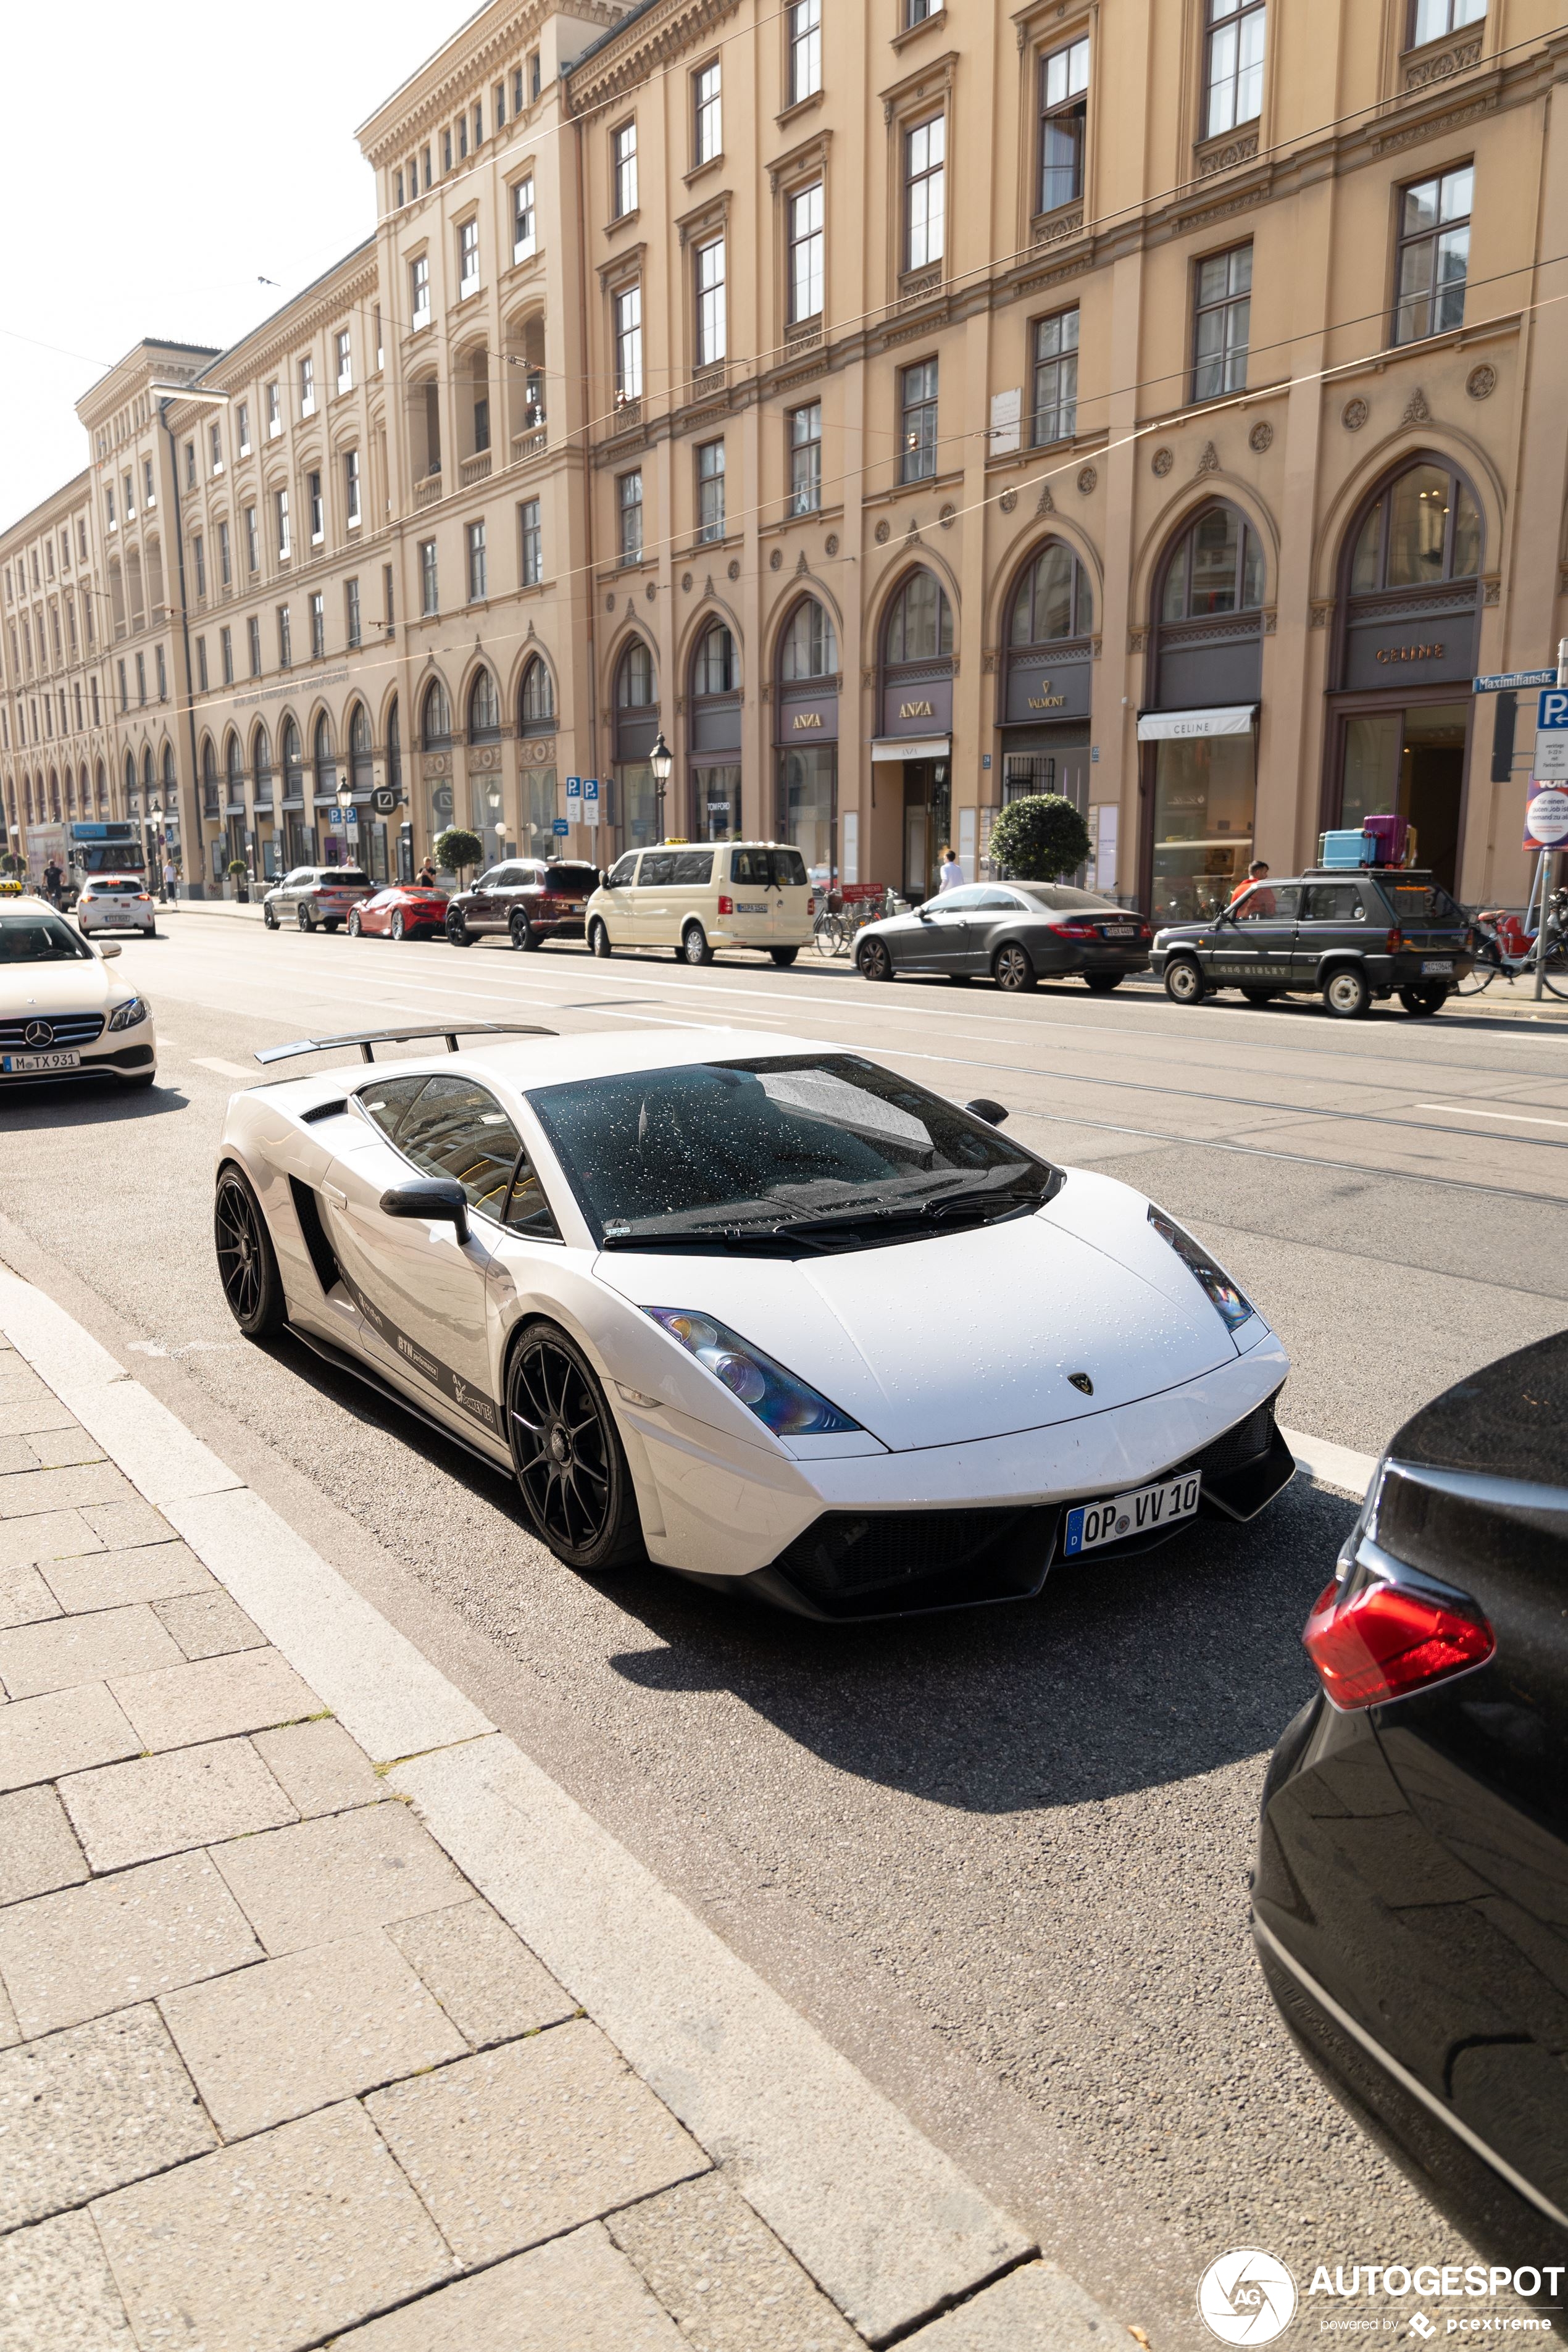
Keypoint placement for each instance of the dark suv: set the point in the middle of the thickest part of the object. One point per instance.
(530, 900)
(1349, 938)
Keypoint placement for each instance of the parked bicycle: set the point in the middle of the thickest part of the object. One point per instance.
(1505, 949)
(841, 918)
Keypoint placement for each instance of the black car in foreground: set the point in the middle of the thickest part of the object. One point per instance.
(1353, 937)
(527, 900)
(1014, 933)
(1410, 1902)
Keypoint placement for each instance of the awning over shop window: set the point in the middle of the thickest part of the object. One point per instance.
(1163, 726)
(911, 747)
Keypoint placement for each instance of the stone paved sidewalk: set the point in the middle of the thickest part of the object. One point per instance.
(272, 2074)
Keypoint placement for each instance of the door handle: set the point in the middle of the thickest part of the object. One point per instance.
(330, 1192)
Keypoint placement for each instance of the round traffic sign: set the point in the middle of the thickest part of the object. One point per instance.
(1546, 818)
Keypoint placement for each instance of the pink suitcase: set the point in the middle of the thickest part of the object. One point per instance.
(1390, 837)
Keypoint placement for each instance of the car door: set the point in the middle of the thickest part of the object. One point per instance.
(1333, 915)
(483, 910)
(789, 892)
(511, 883)
(653, 913)
(615, 906)
(750, 880)
(1255, 940)
(938, 938)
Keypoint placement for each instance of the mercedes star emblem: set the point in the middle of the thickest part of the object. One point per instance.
(39, 1032)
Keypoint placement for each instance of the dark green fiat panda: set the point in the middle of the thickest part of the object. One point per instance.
(1353, 937)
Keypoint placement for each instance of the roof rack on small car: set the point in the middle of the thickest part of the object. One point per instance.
(365, 1039)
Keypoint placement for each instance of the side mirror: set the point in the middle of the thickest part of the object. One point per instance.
(439, 1197)
(110, 949)
(924, 914)
(994, 1114)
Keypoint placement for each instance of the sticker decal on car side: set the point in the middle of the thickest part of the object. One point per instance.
(453, 1387)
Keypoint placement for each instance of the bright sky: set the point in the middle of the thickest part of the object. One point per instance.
(160, 162)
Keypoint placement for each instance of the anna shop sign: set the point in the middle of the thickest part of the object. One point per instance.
(813, 718)
(918, 707)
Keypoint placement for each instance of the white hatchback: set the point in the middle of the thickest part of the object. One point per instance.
(116, 902)
(63, 1015)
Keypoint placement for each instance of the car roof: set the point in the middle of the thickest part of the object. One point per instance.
(30, 903)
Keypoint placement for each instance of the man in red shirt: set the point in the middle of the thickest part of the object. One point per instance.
(1261, 901)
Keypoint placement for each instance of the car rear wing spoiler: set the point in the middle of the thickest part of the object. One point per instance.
(367, 1039)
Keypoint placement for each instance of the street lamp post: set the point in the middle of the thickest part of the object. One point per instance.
(661, 759)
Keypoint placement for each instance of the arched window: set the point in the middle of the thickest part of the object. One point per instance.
(394, 746)
(1217, 566)
(261, 767)
(713, 667)
(484, 709)
(70, 793)
(168, 771)
(919, 626)
(234, 771)
(130, 781)
(54, 797)
(361, 766)
(1423, 526)
(1053, 600)
(536, 698)
(293, 761)
(634, 679)
(322, 760)
(434, 717)
(809, 646)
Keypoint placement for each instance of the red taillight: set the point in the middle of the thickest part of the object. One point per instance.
(1144, 933)
(1390, 1640)
(811, 906)
(141, 898)
(726, 906)
(1074, 930)
(1394, 941)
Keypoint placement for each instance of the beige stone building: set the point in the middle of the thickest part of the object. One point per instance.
(894, 408)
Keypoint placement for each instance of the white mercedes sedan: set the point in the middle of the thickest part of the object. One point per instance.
(63, 1015)
(757, 1310)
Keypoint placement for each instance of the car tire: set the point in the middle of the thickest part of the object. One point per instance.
(1347, 992)
(1185, 982)
(304, 918)
(1423, 1002)
(873, 961)
(1012, 969)
(398, 926)
(246, 1262)
(269, 917)
(1260, 995)
(598, 938)
(567, 1456)
(525, 938)
(356, 928)
(784, 957)
(458, 932)
(694, 948)
(1101, 983)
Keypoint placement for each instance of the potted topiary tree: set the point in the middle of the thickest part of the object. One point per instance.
(239, 875)
(1039, 838)
(455, 850)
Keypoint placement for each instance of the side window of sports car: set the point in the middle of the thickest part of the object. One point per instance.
(385, 1103)
(459, 1129)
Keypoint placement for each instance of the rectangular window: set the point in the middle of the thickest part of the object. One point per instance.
(628, 343)
(124, 695)
(523, 232)
(1434, 255)
(388, 610)
(478, 569)
(805, 271)
(350, 486)
(536, 76)
(345, 360)
(1056, 378)
(242, 425)
(163, 673)
(149, 496)
(109, 509)
(1064, 116)
(925, 192)
(803, 32)
(1432, 19)
(351, 630)
(70, 621)
(285, 638)
(397, 193)
(429, 601)
(201, 670)
(917, 401)
(1234, 75)
(199, 562)
(226, 654)
(274, 411)
(1222, 322)
(532, 544)
(712, 324)
(498, 104)
(281, 520)
(629, 498)
(252, 543)
(468, 259)
(307, 386)
(81, 542)
(516, 91)
(318, 625)
(419, 291)
(479, 126)
(318, 511)
(215, 448)
(92, 693)
(711, 490)
(806, 458)
(446, 151)
(225, 555)
(253, 635)
(430, 174)
(624, 167)
(380, 346)
(707, 116)
(917, 11)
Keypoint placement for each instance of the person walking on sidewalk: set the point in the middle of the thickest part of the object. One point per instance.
(171, 883)
(951, 873)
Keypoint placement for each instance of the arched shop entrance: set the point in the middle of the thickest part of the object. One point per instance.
(1404, 657)
(916, 733)
(805, 722)
(713, 737)
(1047, 687)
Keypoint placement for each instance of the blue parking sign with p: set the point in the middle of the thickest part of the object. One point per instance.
(1551, 711)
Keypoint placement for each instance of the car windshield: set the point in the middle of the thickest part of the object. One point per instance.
(40, 939)
(1420, 902)
(820, 1150)
(573, 881)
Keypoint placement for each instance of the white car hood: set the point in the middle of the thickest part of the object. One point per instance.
(84, 986)
(964, 1336)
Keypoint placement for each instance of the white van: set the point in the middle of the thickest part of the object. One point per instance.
(724, 894)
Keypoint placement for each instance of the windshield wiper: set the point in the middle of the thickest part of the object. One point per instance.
(816, 1233)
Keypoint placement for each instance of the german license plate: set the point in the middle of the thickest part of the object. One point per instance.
(1137, 1514)
(1436, 964)
(17, 1064)
(1120, 932)
(750, 905)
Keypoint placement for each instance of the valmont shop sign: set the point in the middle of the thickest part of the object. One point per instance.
(1039, 690)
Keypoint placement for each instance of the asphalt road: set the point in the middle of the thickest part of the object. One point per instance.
(1001, 1858)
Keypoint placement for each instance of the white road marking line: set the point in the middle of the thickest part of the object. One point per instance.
(1516, 1117)
(1331, 1466)
(224, 1069)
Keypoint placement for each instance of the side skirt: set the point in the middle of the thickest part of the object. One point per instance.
(340, 1359)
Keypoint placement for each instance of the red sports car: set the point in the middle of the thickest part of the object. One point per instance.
(405, 911)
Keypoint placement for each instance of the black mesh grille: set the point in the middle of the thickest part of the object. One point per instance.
(852, 1551)
(1237, 1447)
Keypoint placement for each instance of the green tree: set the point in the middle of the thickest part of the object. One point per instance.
(456, 850)
(1040, 839)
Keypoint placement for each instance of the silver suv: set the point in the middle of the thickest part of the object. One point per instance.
(316, 894)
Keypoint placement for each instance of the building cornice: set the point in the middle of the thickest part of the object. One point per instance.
(646, 43)
(492, 38)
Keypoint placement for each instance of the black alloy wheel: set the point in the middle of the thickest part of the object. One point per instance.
(1101, 983)
(523, 935)
(1423, 1002)
(1347, 992)
(356, 928)
(269, 917)
(246, 1262)
(1185, 982)
(571, 1465)
(784, 957)
(1012, 968)
(458, 930)
(399, 927)
(304, 918)
(874, 961)
(598, 938)
(694, 948)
